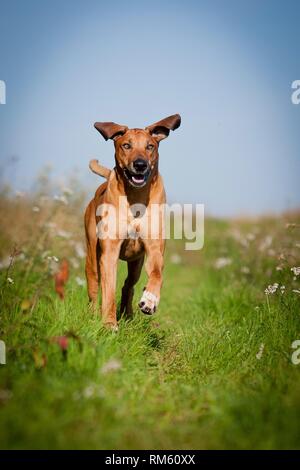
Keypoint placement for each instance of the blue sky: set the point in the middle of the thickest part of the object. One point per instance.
(226, 67)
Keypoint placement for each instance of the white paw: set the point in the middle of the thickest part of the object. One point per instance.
(148, 302)
(112, 327)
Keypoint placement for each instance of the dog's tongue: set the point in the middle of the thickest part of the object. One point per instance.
(138, 179)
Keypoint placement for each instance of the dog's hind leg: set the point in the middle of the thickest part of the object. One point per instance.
(92, 256)
(92, 277)
(110, 250)
(134, 272)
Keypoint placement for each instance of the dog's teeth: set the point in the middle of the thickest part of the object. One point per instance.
(137, 180)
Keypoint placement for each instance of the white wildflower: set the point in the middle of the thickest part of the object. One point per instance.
(53, 258)
(296, 270)
(63, 234)
(266, 243)
(89, 391)
(20, 194)
(236, 234)
(5, 263)
(245, 270)
(80, 252)
(74, 263)
(260, 351)
(110, 366)
(222, 262)
(80, 281)
(61, 199)
(290, 225)
(272, 288)
(10, 280)
(67, 191)
(297, 291)
(282, 289)
(50, 225)
(250, 237)
(175, 258)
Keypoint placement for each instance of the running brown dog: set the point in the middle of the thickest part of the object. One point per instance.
(136, 178)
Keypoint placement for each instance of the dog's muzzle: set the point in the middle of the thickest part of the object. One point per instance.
(137, 173)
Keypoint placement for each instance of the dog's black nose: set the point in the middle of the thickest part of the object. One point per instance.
(140, 165)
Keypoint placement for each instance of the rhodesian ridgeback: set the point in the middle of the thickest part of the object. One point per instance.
(136, 180)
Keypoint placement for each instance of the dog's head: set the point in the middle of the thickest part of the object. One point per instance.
(136, 150)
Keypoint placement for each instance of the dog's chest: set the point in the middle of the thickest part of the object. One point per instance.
(134, 230)
(127, 222)
(131, 224)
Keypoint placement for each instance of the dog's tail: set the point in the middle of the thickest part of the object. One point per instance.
(99, 169)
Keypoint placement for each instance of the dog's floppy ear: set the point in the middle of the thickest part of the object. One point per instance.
(110, 130)
(161, 129)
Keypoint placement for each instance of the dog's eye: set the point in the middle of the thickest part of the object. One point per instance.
(126, 146)
(150, 147)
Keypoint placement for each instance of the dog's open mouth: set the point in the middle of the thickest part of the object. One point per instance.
(137, 180)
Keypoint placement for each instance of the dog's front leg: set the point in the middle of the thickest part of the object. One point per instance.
(110, 250)
(154, 269)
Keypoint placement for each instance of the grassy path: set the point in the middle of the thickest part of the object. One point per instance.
(211, 370)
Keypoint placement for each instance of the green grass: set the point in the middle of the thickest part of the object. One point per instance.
(188, 377)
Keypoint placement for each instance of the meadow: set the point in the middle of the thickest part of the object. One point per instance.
(211, 369)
